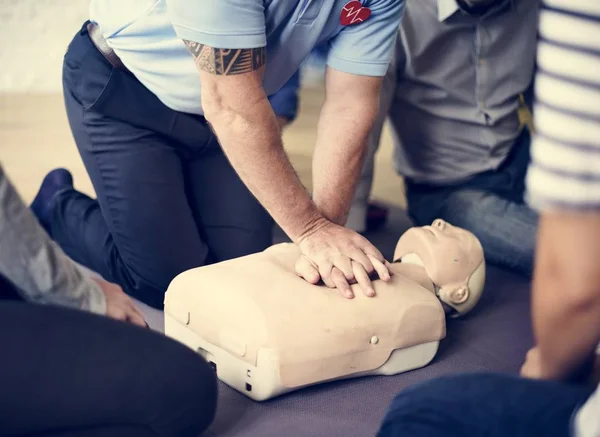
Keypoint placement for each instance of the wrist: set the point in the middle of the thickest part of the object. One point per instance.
(310, 226)
(97, 298)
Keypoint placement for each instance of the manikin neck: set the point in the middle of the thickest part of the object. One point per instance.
(415, 260)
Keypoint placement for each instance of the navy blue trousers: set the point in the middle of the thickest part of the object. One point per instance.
(484, 405)
(168, 199)
(67, 373)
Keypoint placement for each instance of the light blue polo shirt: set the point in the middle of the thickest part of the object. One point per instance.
(147, 36)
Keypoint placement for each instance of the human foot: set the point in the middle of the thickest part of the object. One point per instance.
(55, 181)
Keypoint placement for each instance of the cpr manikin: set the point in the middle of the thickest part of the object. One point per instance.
(267, 332)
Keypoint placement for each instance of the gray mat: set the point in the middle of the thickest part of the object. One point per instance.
(494, 337)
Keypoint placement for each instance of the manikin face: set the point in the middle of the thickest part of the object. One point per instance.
(449, 254)
(452, 250)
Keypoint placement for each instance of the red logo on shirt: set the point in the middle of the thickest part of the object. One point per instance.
(354, 13)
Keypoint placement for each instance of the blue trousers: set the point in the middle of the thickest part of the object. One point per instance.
(168, 199)
(68, 373)
(484, 405)
(491, 205)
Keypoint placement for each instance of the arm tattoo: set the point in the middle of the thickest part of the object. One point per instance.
(225, 62)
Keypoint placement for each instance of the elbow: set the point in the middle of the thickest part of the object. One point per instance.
(212, 105)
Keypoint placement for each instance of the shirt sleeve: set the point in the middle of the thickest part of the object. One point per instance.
(33, 263)
(285, 101)
(223, 24)
(564, 172)
(366, 48)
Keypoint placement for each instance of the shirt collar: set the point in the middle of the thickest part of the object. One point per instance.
(446, 8)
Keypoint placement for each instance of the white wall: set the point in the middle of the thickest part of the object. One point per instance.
(34, 35)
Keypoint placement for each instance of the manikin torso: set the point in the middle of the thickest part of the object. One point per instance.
(257, 303)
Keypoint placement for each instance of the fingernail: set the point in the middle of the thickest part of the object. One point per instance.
(349, 295)
(371, 292)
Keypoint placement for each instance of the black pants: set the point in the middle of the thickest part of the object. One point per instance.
(66, 373)
(167, 198)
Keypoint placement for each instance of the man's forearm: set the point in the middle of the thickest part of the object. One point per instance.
(566, 335)
(566, 304)
(347, 117)
(338, 160)
(251, 140)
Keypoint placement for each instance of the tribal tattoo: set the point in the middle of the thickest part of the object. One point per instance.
(226, 62)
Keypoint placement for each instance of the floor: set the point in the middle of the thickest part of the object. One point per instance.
(35, 138)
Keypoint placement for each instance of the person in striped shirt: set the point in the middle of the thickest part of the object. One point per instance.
(556, 393)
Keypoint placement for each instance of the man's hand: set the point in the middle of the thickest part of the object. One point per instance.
(340, 256)
(119, 306)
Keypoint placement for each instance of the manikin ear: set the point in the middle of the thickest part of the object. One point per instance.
(456, 296)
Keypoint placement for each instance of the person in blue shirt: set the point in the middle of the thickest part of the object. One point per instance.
(168, 102)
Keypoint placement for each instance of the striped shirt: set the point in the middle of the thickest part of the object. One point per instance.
(565, 167)
(565, 152)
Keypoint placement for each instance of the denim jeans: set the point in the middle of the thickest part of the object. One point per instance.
(484, 405)
(490, 205)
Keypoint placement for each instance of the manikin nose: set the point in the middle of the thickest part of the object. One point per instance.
(439, 224)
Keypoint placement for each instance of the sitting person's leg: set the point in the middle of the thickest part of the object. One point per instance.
(483, 405)
(69, 373)
(491, 206)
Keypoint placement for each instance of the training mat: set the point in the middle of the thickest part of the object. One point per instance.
(494, 337)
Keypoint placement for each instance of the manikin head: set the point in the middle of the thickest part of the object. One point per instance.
(453, 259)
